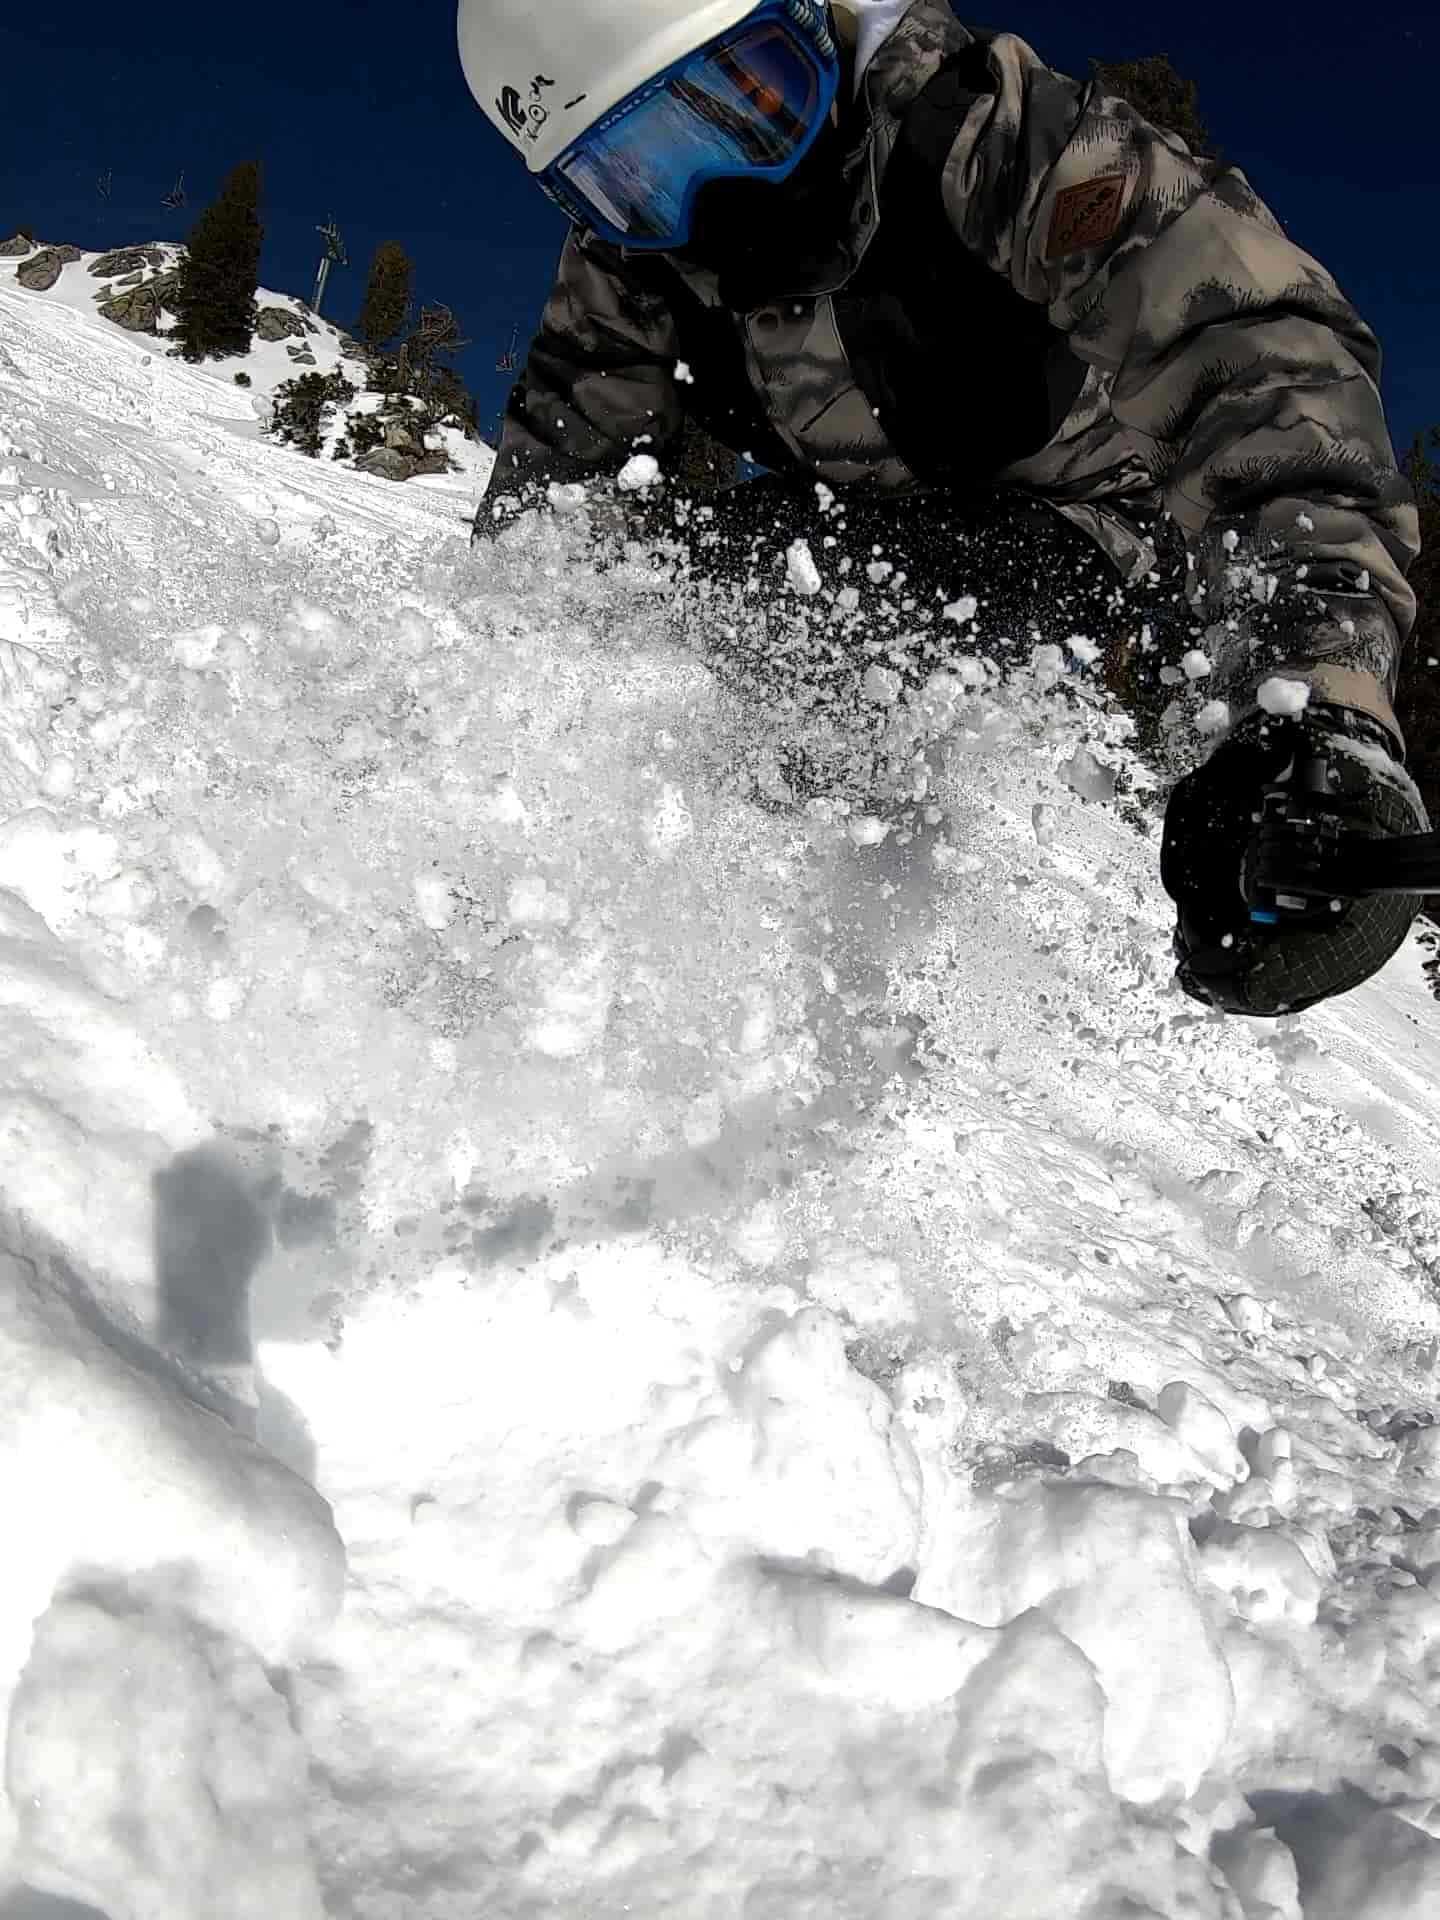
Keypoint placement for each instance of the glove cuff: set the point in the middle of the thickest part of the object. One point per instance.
(1348, 688)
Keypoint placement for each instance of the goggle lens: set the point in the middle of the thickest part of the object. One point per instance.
(750, 102)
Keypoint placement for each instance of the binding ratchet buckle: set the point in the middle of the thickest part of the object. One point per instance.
(1315, 851)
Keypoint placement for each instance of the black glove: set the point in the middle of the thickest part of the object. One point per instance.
(1232, 954)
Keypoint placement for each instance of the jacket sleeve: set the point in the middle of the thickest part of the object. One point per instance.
(1236, 364)
(599, 380)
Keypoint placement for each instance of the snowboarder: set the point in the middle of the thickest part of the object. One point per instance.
(992, 308)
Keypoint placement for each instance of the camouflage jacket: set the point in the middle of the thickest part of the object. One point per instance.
(1219, 373)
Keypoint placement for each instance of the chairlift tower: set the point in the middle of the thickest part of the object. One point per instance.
(334, 256)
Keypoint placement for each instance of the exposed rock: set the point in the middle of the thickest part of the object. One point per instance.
(387, 463)
(305, 360)
(40, 273)
(391, 464)
(130, 280)
(138, 311)
(15, 247)
(402, 437)
(126, 260)
(278, 323)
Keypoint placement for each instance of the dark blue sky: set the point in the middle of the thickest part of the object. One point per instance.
(358, 109)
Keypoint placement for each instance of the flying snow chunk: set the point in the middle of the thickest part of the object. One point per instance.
(948, 859)
(963, 609)
(566, 496)
(1230, 540)
(224, 998)
(267, 532)
(533, 903)
(801, 570)
(1278, 695)
(881, 686)
(1213, 717)
(434, 900)
(1084, 650)
(53, 868)
(127, 895)
(195, 649)
(1262, 1573)
(670, 823)
(1196, 665)
(573, 992)
(866, 831)
(683, 373)
(1202, 1426)
(640, 471)
(1084, 774)
(57, 782)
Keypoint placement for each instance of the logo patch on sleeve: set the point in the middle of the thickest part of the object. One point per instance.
(1086, 216)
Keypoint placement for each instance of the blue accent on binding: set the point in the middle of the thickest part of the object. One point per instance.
(1263, 918)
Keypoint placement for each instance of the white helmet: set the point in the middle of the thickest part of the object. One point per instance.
(545, 70)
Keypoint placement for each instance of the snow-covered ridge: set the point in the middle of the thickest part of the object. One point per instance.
(303, 341)
(828, 1389)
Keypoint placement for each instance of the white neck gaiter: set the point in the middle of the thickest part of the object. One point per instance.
(875, 21)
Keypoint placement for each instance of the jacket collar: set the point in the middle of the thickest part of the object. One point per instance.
(897, 72)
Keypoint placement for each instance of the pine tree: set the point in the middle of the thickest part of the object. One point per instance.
(1158, 94)
(215, 292)
(387, 294)
(422, 364)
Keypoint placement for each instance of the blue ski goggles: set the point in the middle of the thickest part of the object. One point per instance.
(748, 104)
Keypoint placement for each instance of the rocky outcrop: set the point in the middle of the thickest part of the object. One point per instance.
(43, 269)
(385, 463)
(127, 260)
(139, 310)
(402, 437)
(278, 323)
(16, 247)
(391, 463)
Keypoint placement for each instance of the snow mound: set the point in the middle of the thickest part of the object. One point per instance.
(122, 1705)
(841, 1393)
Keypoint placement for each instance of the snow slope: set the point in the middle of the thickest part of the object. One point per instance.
(267, 365)
(576, 1343)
